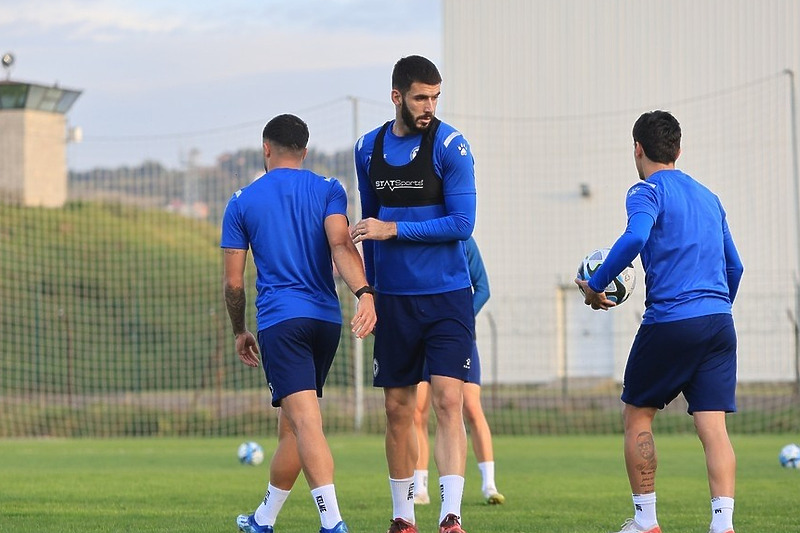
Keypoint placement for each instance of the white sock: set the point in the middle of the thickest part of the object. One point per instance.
(267, 512)
(487, 474)
(327, 505)
(451, 489)
(721, 514)
(644, 506)
(403, 499)
(420, 482)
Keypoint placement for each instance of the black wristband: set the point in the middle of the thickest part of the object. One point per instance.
(366, 289)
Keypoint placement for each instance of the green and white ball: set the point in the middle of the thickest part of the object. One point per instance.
(620, 287)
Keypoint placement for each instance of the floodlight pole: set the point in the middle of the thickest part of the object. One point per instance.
(796, 179)
(358, 345)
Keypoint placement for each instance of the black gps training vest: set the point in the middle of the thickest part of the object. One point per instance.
(411, 185)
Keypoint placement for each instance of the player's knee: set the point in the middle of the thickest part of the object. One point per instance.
(638, 418)
(398, 411)
(448, 403)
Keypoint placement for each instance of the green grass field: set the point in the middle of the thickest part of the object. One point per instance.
(552, 484)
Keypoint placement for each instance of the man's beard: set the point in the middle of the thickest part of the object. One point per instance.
(410, 121)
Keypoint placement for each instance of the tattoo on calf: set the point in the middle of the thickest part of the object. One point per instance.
(649, 462)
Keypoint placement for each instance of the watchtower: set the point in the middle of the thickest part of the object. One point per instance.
(33, 141)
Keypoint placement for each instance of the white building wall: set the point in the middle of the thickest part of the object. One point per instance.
(11, 156)
(33, 162)
(45, 159)
(547, 93)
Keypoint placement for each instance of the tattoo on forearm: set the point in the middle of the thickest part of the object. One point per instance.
(648, 461)
(235, 301)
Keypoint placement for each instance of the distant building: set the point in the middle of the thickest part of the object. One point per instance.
(33, 143)
(547, 94)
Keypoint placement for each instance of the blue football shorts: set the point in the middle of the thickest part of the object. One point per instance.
(695, 356)
(474, 374)
(412, 331)
(297, 354)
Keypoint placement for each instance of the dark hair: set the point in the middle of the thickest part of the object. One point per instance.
(414, 69)
(659, 133)
(287, 131)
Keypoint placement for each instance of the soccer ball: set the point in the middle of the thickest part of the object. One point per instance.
(790, 456)
(620, 287)
(250, 453)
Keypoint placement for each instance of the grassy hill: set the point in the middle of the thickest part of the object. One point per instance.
(112, 323)
(107, 297)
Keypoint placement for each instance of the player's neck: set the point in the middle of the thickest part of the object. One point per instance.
(275, 163)
(399, 128)
(652, 167)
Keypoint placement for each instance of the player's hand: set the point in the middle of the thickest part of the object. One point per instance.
(373, 229)
(363, 322)
(247, 348)
(597, 300)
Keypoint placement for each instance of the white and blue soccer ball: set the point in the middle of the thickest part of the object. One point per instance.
(620, 287)
(790, 456)
(250, 453)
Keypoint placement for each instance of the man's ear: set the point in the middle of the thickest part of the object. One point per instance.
(397, 98)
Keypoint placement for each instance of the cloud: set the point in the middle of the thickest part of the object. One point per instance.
(105, 21)
(129, 46)
(87, 20)
(159, 66)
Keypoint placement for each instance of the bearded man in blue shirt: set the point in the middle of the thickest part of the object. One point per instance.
(417, 184)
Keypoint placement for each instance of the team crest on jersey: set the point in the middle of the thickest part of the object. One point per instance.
(413, 153)
(638, 186)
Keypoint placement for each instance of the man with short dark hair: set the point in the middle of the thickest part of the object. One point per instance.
(417, 184)
(687, 340)
(295, 223)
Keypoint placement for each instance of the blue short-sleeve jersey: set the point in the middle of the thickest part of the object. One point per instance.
(280, 217)
(684, 257)
(428, 255)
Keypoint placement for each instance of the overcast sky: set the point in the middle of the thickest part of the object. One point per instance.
(153, 69)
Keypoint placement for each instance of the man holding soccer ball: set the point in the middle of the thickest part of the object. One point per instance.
(687, 340)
